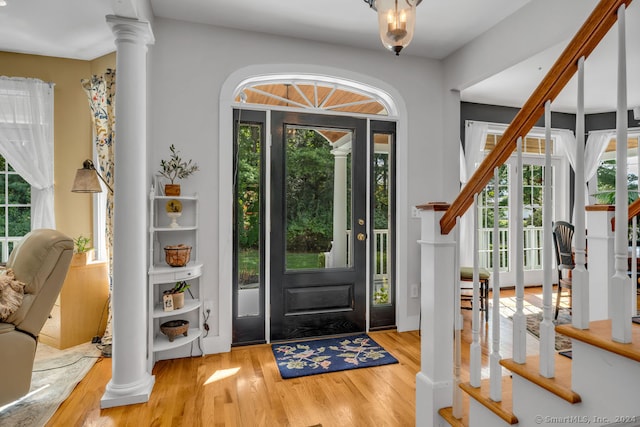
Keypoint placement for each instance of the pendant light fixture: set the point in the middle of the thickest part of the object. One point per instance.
(396, 22)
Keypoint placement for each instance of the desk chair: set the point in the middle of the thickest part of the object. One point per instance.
(466, 275)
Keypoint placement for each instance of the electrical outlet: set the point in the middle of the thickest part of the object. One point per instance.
(208, 305)
(414, 291)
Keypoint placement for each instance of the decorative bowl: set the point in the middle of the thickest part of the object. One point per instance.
(173, 328)
(177, 255)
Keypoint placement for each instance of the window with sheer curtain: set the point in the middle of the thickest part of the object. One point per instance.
(605, 177)
(26, 165)
(481, 138)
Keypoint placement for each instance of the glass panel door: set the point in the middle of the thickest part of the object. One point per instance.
(318, 225)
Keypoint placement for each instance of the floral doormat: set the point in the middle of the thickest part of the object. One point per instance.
(298, 359)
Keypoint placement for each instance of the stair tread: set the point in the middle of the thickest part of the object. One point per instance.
(504, 408)
(599, 335)
(447, 414)
(560, 385)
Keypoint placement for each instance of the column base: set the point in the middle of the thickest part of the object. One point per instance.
(129, 394)
(430, 397)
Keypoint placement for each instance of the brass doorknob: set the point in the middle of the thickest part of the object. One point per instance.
(361, 236)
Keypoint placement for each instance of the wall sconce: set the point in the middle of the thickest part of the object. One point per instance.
(86, 180)
(396, 22)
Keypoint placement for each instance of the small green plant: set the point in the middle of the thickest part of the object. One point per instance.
(81, 244)
(180, 287)
(175, 167)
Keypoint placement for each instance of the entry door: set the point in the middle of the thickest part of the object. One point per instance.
(318, 225)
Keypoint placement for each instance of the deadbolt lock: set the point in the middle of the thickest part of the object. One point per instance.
(361, 221)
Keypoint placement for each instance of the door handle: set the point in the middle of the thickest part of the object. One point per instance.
(362, 236)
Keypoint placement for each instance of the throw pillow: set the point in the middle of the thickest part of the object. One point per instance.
(11, 294)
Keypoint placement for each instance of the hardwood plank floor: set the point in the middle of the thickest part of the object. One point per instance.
(243, 388)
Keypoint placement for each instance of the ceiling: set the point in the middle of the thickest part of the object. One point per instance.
(77, 29)
(513, 86)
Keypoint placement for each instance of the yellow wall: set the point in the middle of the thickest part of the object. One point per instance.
(72, 127)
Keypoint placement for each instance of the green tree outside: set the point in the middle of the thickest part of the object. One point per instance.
(309, 196)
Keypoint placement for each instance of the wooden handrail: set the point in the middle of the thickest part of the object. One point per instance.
(583, 43)
(634, 208)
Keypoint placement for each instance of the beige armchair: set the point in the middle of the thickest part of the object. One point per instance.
(40, 260)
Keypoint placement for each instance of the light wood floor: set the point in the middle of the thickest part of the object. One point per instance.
(243, 388)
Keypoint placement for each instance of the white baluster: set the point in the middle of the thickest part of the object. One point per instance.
(519, 319)
(580, 275)
(495, 370)
(634, 265)
(457, 331)
(547, 328)
(620, 282)
(634, 257)
(475, 362)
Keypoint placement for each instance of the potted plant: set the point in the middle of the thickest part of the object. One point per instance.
(82, 251)
(175, 168)
(177, 293)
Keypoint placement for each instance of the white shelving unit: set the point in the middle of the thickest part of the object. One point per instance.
(162, 277)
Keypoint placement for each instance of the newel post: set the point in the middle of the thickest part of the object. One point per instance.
(600, 259)
(435, 380)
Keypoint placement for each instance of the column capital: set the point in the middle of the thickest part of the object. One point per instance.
(130, 30)
(340, 153)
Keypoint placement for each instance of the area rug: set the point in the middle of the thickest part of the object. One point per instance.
(566, 353)
(304, 358)
(563, 342)
(55, 375)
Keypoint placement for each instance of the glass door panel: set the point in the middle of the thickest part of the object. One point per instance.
(248, 233)
(486, 236)
(318, 198)
(382, 208)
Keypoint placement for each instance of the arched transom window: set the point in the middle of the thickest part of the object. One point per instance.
(313, 94)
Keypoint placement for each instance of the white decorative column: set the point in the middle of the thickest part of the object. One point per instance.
(130, 382)
(600, 259)
(434, 382)
(339, 248)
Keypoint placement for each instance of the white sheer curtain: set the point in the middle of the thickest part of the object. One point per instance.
(596, 144)
(566, 145)
(26, 140)
(474, 141)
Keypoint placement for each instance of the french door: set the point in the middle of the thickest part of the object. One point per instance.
(532, 198)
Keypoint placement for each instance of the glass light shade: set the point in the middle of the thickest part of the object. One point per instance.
(396, 21)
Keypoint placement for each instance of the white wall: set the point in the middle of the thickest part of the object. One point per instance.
(539, 25)
(189, 64)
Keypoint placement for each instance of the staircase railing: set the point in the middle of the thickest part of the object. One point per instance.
(597, 25)
(583, 43)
